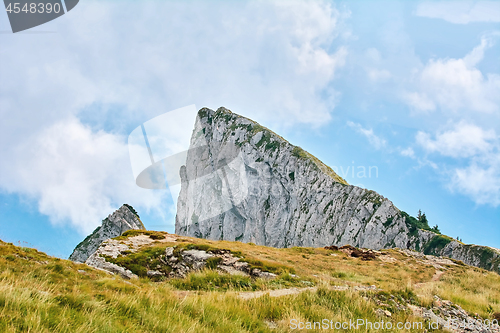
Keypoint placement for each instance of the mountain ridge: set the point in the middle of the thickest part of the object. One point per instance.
(123, 219)
(244, 182)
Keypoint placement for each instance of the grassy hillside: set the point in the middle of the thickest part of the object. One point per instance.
(39, 293)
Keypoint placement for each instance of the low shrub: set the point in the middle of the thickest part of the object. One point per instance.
(212, 262)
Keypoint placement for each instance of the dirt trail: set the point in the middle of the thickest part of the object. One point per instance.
(437, 275)
(274, 293)
(251, 294)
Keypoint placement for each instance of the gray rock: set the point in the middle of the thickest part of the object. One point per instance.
(451, 317)
(232, 270)
(169, 251)
(173, 259)
(97, 260)
(153, 274)
(195, 258)
(239, 265)
(267, 275)
(195, 255)
(180, 270)
(243, 182)
(123, 219)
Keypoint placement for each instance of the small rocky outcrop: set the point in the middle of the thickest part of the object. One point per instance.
(224, 261)
(173, 262)
(364, 254)
(243, 182)
(123, 219)
(109, 248)
(442, 314)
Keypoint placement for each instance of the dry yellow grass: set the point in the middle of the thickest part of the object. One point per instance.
(44, 294)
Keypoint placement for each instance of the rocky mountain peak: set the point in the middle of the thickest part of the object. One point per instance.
(123, 219)
(243, 182)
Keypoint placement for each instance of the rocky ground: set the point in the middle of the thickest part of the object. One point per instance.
(179, 263)
(444, 313)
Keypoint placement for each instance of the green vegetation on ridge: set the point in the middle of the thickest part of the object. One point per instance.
(418, 223)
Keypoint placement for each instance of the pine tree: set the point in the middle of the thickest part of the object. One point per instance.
(423, 220)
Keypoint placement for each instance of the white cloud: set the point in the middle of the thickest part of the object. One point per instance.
(464, 140)
(461, 12)
(274, 62)
(373, 139)
(271, 61)
(481, 182)
(75, 174)
(373, 55)
(408, 152)
(373, 62)
(456, 84)
(480, 149)
(420, 101)
(379, 74)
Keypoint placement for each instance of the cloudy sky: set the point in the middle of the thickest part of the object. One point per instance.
(410, 89)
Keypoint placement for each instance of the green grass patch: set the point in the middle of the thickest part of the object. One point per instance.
(212, 262)
(156, 235)
(201, 247)
(267, 266)
(388, 222)
(211, 280)
(140, 262)
(343, 275)
(299, 152)
(436, 244)
(299, 249)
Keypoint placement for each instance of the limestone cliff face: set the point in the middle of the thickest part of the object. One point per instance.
(123, 219)
(243, 182)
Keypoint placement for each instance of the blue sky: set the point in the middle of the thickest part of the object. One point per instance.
(411, 89)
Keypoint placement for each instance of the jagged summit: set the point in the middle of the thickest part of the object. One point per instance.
(269, 139)
(244, 182)
(123, 219)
